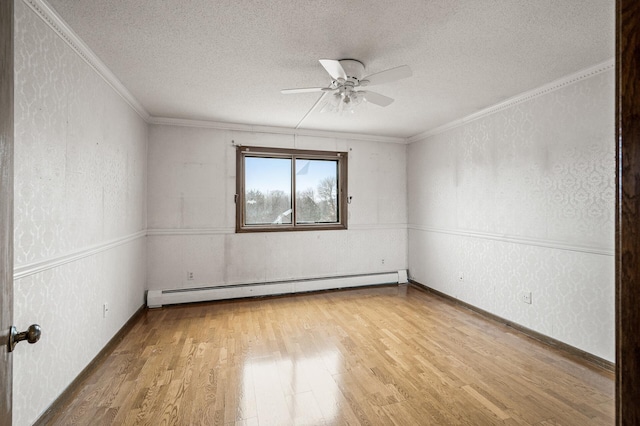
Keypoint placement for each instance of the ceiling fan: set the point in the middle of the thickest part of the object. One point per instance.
(347, 75)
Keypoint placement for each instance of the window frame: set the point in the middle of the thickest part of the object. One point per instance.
(293, 154)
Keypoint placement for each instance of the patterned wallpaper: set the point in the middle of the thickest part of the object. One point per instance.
(192, 214)
(80, 182)
(521, 200)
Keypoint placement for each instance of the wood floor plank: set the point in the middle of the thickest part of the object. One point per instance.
(385, 355)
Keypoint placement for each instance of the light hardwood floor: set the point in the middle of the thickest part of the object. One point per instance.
(387, 355)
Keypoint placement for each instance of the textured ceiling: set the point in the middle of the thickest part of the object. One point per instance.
(227, 60)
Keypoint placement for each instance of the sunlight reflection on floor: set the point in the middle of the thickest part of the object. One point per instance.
(299, 389)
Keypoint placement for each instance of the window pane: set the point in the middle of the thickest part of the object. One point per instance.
(267, 193)
(316, 191)
(267, 177)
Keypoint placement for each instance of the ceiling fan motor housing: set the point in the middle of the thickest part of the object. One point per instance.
(353, 68)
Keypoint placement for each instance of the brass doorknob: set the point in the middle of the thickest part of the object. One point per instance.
(32, 335)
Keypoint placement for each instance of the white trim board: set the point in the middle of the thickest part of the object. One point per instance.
(272, 130)
(539, 242)
(54, 262)
(523, 97)
(57, 24)
(32, 268)
(159, 298)
(154, 232)
(64, 31)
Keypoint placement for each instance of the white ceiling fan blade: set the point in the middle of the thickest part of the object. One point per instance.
(389, 75)
(303, 90)
(376, 98)
(334, 68)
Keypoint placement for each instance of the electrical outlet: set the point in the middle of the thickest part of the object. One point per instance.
(190, 276)
(525, 296)
(105, 309)
(383, 261)
(460, 276)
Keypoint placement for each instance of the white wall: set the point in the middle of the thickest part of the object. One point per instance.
(191, 216)
(522, 199)
(80, 176)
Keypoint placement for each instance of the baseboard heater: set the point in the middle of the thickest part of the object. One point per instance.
(159, 298)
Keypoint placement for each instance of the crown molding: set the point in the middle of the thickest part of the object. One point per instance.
(64, 31)
(518, 99)
(272, 130)
(48, 14)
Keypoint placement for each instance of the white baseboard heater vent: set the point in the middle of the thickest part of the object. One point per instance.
(159, 298)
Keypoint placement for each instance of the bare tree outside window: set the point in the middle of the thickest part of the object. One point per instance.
(268, 190)
(328, 193)
(317, 191)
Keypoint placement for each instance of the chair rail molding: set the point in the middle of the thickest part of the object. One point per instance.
(539, 242)
(43, 265)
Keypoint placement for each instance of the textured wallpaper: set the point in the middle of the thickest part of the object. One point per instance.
(518, 200)
(80, 173)
(522, 200)
(192, 214)
(80, 182)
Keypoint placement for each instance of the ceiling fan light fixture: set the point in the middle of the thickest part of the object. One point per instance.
(343, 100)
(347, 76)
(332, 102)
(356, 98)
